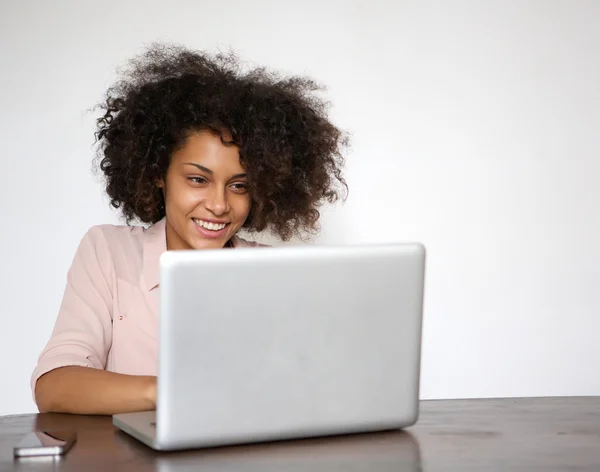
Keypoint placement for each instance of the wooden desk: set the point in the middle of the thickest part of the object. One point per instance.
(551, 434)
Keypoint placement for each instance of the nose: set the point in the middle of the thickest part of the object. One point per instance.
(217, 202)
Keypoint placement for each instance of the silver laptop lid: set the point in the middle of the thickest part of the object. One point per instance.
(274, 343)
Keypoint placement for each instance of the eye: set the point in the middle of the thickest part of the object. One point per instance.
(239, 186)
(197, 180)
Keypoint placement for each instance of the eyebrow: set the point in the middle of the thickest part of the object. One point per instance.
(210, 172)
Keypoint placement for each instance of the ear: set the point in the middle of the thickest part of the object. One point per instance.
(160, 183)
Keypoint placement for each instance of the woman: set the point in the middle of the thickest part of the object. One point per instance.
(197, 150)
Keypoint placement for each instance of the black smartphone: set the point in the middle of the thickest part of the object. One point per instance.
(45, 443)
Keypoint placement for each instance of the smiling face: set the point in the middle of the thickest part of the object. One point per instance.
(206, 193)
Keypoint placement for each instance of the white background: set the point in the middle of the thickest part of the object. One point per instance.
(476, 130)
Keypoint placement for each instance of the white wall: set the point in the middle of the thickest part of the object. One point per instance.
(476, 129)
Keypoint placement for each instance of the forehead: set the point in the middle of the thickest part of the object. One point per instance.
(206, 148)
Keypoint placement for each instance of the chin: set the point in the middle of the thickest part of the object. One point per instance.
(208, 243)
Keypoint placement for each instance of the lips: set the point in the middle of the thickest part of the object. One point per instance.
(210, 229)
(210, 225)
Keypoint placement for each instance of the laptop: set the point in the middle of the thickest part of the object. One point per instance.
(263, 344)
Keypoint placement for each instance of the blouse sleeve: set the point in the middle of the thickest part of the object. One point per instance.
(82, 334)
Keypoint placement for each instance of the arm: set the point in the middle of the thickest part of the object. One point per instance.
(70, 375)
(88, 391)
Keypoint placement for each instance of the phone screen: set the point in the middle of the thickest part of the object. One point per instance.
(42, 443)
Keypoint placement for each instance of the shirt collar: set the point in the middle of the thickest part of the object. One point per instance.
(155, 243)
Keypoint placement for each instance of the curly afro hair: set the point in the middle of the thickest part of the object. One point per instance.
(290, 150)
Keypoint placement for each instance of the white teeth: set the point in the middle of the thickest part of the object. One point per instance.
(208, 225)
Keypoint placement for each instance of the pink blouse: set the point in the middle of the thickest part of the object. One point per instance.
(108, 318)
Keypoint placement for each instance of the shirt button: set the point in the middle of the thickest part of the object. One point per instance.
(121, 317)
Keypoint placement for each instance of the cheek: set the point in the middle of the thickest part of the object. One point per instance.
(182, 197)
(242, 207)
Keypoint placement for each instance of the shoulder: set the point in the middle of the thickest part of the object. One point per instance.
(243, 243)
(115, 249)
(113, 238)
